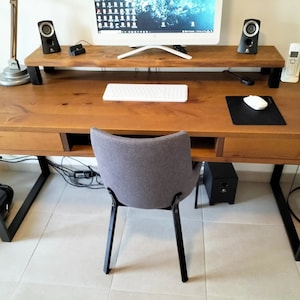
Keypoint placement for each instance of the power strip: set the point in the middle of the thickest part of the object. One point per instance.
(84, 174)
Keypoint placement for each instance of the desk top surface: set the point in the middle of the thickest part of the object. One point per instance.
(71, 101)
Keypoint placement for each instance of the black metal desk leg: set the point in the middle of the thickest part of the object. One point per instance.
(35, 75)
(7, 234)
(284, 211)
(274, 76)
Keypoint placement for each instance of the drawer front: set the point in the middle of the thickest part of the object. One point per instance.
(261, 148)
(36, 141)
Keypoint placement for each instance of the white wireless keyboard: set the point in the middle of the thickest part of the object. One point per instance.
(146, 92)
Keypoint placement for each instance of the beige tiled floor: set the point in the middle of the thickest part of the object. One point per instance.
(235, 251)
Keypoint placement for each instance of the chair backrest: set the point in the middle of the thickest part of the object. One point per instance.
(144, 172)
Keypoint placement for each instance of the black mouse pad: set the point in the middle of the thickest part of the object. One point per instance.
(242, 114)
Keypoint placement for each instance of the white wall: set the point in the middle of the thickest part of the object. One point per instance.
(280, 23)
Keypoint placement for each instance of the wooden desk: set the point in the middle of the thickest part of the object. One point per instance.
(55, 119)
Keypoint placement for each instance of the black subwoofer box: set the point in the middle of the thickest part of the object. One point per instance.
(220, 180)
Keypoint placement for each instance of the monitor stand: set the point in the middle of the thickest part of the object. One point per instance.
(164, 48)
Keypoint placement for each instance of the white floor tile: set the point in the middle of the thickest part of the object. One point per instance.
(53, 292)
(148, 260)
(7, 289)
(50, 194)
(238, 251)
(70, 253)
(15, 255)
(249, 262)
(254, 204)
(84, 201)
(121, 295)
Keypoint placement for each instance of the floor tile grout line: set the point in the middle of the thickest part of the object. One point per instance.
(204, 251)
(42, 234)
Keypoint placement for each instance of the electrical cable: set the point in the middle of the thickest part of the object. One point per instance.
(68, 174)
(243, 79)
(289, 205)
(293, 213)
(95, 182)
(91, 178)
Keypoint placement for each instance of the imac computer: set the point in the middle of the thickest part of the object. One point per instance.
(145, 24)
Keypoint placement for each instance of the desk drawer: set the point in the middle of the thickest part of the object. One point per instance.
(36, 141)
(262, 148)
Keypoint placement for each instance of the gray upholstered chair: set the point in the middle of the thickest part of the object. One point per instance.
(148, 173)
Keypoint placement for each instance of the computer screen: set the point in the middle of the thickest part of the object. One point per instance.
(157, 22)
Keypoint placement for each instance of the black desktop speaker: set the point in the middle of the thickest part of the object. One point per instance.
(49, 40)
(220, 181)
(249, 38)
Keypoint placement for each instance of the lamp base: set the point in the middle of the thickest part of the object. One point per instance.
(14, 74)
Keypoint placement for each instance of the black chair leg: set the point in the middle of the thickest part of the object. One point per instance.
(179, 240)
(197, 193)
(110, 236)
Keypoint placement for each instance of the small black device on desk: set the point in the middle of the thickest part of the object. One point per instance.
(76, 50)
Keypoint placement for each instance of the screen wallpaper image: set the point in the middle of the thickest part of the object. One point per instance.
(154, 16)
